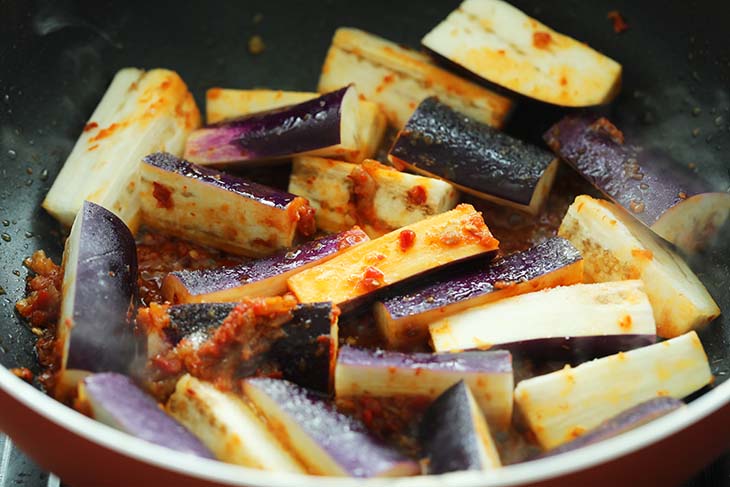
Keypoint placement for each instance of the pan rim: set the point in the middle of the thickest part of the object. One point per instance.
(228, 474)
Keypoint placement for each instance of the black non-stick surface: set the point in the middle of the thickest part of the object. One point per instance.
(57, 57)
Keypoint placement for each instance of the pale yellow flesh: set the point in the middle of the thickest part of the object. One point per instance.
(140, 113)
(694, 223)
(487, 448)
(327, 185)
(339, 280)
(413, 329)
(499, 43)
(562, 405)
(616, 246)
(222, 104)
(213, 216)
(609, 308)
(398, 79)
(492, 392)
(228, 427)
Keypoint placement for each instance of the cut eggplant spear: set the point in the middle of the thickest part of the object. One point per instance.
(141, 112)
(302, 349)
(326, 441)
(501, 44)
(412, 250)
(440, 142)
(224, 104)
(374, 196)
(220, 210)
(663, 194)
(228, 427)
(621, 423)
(115, 400)
(563, 405)
(324, 126)
(617, 246)
(603, 315)
(403, 318)
(99, 297)
(382, 373)
(262, 277)
(398, 79)
(455, 435)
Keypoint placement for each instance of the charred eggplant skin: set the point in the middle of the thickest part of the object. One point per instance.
(621, 423)
(443, 142)
(116, 400)
(186, 319)
(105, 293)
(307, 126)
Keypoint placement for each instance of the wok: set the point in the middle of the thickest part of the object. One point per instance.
(57, 57)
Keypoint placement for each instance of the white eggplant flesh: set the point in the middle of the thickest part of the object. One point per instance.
(616, 246)
(580, 310)
(223, 104)
(228, 427)
(141, 112)
(376, 197)
(563, 405)
(501, 44)
(398, 79)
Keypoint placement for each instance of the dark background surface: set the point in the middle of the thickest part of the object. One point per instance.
(57, 57)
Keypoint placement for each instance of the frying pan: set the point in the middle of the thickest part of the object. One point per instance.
(56, 58)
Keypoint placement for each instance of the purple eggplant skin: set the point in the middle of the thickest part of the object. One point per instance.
(259, 278)
(115, 400)
(304, 354)
(447, 144)
(258, 192)
(199, 319)
(105, 293)
(649, 184)
(621, 423)
(576, 349)
(553, 262)
(447, 433)
(280, 132)
(343, 439)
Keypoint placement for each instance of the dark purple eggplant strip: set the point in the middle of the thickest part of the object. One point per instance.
(576, 349)
(257, 192)
(311, 125)
(467, 282)
(452, 146)
(497, 362)
(626, 421)
(105, 295)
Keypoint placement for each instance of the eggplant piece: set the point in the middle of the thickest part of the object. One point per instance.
(616, 246)
(326, 441)
(501, 44)
(141, 112)
(382, 373)
(580, 310)
(403, 317)
(302, 350)
(440, 142)
(372, 266)
(326, 126)
(398, 79)
(455, 435)
(262, 277)
(99, 296)
(228, 427)
(376, 197)
(621, 423)
(224, 104)
(563, 405)
(220, 210)
(666, 196)
(115, 400)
